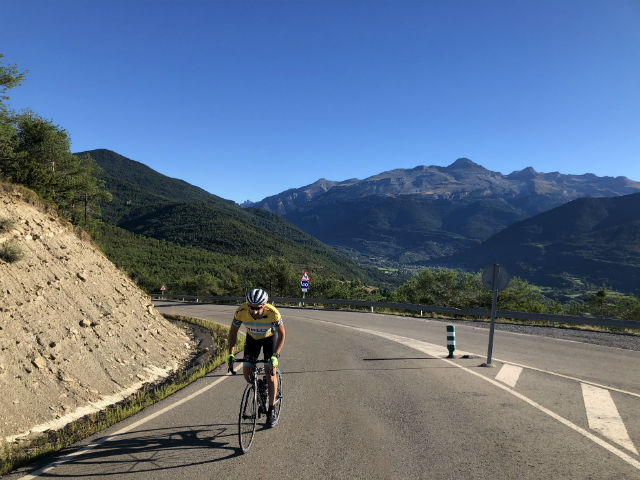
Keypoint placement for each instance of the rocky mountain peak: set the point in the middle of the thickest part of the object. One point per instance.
(464, 163)
(525, 173)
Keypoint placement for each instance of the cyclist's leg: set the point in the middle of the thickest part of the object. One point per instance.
(268, 347)
(251, 352)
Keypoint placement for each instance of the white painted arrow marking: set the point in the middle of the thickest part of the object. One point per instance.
(603, 416)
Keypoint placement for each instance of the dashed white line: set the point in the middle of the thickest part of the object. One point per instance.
(568, 377)
(509, 374)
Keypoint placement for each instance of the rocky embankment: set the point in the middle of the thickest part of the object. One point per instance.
(75, 333)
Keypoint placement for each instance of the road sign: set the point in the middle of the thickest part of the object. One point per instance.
(304, 282)
(496, 279)
(163, 288)
(498, 274)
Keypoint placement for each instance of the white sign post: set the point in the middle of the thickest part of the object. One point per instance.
(163, 289)
(304, 284)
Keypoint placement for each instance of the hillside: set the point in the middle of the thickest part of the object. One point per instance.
(136, 185)
(148, 203)
(417, 215)
(76, 333)
(594, 239)
(406, 229)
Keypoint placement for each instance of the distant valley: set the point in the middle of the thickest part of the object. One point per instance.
(432, 215)
(594, 239)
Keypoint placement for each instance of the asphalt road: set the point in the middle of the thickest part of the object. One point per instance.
(372, 396)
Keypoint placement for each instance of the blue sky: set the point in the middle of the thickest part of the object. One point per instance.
(249, 98)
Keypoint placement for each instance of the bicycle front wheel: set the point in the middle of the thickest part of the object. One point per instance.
(247, 418)
(278, 404)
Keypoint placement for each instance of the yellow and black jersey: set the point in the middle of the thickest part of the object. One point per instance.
(264, 326)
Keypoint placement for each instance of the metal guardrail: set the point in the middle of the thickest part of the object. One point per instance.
(463, 312)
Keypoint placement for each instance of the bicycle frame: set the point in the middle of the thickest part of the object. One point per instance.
(253, 405)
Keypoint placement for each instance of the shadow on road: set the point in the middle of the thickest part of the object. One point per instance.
(376, 367)
(149, 451)
(399, 358)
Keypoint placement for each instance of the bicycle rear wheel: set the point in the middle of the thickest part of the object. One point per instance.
(247, 418)
(278, 404)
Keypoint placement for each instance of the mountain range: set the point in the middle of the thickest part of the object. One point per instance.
(532, 192)
(416, 216)
(550, 228)
(147, 203)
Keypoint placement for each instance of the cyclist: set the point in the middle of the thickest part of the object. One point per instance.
(265, 331)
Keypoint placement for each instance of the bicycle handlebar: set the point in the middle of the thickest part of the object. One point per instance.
(233, 372)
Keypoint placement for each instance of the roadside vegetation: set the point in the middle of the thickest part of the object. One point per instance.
(452, 288)
(10, 251)
(25, 451)
(36, 153)
(6, 224)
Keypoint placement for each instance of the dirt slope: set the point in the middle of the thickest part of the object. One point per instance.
(75, 332)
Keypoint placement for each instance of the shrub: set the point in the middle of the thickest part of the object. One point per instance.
(6, 224)
(10, 251)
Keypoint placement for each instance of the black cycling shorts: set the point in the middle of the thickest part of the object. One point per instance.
(252, 349)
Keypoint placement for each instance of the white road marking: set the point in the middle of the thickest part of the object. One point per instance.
(439, 352)
(509, 374)
(604, 418)
(549, 372)
(142, 421)
(568, 377)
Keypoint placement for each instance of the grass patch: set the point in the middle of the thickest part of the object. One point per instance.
(27, 450)
(10, 251)
(6, 224)
(26, 194)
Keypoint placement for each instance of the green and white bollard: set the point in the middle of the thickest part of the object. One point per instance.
(451, 340)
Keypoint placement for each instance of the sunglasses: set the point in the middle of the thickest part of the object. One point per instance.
(255, 308)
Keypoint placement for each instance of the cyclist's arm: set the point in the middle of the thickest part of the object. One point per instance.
(233, 337)
(281, 336)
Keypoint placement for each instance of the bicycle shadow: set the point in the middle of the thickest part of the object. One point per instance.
(147, 451)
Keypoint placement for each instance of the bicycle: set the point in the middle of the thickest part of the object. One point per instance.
(254, 403)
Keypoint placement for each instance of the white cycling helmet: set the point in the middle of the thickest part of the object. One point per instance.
(257, 296)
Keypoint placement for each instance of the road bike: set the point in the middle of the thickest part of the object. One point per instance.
(254, 403)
